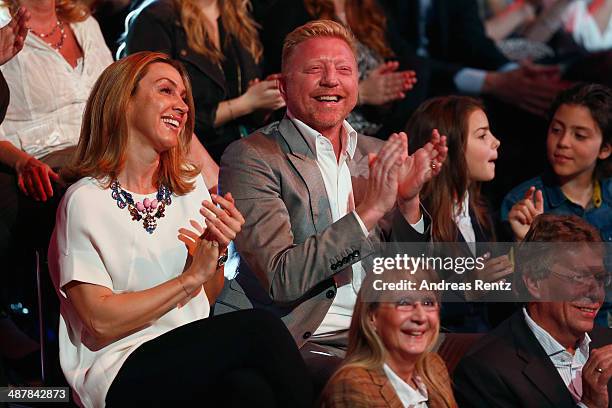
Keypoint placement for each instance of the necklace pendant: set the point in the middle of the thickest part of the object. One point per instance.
(134, 213)
(144, 210)
(149, 223)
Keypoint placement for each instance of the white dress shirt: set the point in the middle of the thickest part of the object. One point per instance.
(48, 96)
(568, 366)
(579, 22)
(464, 222)
(339, 188)
(410, 397)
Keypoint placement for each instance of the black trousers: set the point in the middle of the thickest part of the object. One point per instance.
(25, 226)
(240, 359)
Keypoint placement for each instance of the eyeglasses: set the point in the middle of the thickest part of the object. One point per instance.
(408, 305)
(601, 278)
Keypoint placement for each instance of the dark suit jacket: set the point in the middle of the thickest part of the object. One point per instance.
(289, 249)
(509, 368)
(461, 315)
(482, 238)
(459, 247)
(5, 97)
(158, 28)
(456, 38)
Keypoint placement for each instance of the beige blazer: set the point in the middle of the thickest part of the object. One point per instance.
(363, 388)
(289, 250)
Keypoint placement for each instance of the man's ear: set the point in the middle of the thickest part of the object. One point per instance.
(605, 151)
(282, 87)
(534, 287)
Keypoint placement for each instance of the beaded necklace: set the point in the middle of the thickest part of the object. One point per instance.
(50, 33)
(145, 210)
(60, 43)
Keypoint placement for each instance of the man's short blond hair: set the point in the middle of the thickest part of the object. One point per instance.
(314, 29)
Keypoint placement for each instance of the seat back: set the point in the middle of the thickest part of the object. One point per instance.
(454, 346)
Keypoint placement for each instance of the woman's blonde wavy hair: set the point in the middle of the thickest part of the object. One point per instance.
(365, 18)
(236, 19)
(366, 349)
(101, 151)
(70, 11)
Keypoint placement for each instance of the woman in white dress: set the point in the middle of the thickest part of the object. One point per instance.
(135, 287)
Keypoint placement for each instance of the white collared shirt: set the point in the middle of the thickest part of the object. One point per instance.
(569, 366)
(410, 397)
(581, 24)
(464, 222)
(339, 188)
(48, 96)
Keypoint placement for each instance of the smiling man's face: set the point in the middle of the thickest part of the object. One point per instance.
(572, 293)
(320, 83)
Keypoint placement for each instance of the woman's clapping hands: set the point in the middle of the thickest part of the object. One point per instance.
(385, 84)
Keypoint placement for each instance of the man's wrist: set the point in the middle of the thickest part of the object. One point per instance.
(364, 229)
(586, 402)
(369, 216)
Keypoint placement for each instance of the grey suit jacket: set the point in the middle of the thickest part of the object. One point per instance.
(289, 249)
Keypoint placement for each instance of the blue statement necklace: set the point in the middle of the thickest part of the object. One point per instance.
(147, 210)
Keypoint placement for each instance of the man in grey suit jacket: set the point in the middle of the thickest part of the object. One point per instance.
(317, 197)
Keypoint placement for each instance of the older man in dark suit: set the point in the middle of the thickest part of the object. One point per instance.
(317, 197)
(549, 354)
